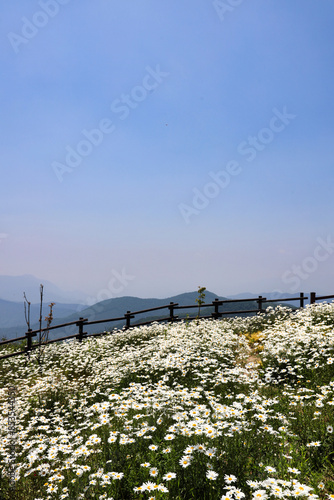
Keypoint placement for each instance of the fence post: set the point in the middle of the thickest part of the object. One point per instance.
(81, 333)
(171, 312)
(128, 319)
(302, 298)
(29, 340)
(216, 314)
(259, 301)
(312, 298)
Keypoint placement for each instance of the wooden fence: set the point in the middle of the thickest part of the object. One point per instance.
(172, 307)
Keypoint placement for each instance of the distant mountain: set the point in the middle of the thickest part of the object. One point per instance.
(117, 307)
(12, 324)
(12, 288)
(242, 296)
(12, 313)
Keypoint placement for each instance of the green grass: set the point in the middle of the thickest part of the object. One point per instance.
(237, 408)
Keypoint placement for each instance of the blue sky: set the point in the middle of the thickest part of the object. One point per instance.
(174, 144)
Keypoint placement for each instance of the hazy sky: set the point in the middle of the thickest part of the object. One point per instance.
(149, 147)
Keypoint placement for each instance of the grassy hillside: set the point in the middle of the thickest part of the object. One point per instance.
(239, 408)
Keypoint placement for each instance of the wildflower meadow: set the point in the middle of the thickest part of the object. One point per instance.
(204, 409)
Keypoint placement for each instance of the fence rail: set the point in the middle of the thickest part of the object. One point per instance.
(172, 307)
(314, 298)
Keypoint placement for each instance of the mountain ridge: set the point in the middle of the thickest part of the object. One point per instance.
(12, 288)
(12, 313)
(117, 307)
